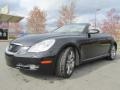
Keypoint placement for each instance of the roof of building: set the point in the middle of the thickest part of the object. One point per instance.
(10, 18)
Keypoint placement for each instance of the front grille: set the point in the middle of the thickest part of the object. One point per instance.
(14, 48)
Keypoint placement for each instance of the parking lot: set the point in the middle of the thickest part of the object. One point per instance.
(97, 75)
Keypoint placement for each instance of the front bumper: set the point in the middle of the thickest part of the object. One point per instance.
(30, 63)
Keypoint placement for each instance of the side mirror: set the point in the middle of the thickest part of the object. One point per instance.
(93, 31)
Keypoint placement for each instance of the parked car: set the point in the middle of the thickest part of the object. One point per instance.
(60, 51)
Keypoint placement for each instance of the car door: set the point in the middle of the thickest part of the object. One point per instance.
(103, 43)
(90, 47)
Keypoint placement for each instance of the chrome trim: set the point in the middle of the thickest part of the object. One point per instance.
(17, 44)
(11, 53)
(8, 52)
(27, 67)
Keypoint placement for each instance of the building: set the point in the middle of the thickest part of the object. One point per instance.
(5, 19)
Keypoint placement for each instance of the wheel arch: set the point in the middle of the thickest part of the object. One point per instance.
(77, 52)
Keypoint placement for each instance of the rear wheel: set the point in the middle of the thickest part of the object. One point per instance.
(66, 63)
(112, 54)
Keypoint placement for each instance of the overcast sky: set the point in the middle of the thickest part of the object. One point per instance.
(85, 9)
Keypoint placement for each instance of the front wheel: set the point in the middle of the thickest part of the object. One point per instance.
(66, 63)
(112, 54)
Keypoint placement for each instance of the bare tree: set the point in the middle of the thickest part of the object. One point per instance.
(16, 28)
(111, 24)
(36, 21)
(66, 14)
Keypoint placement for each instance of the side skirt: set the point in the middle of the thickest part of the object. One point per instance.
(94, 58)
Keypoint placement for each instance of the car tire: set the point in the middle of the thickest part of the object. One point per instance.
(66, 63)
(112, 53)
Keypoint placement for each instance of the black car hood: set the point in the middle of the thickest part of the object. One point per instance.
(29, 40)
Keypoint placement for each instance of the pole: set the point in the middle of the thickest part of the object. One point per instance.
(95, 19)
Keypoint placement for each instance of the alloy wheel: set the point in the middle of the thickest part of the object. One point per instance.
(113, 52)
(70, 62)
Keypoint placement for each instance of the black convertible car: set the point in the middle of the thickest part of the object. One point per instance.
(60, 51)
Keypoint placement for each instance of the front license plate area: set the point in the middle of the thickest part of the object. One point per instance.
(27, 67)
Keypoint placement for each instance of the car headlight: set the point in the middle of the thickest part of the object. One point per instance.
(42, 46)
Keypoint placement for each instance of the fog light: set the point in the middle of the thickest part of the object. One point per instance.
(34, 67)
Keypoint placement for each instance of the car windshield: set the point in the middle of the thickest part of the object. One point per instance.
(71, 28)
